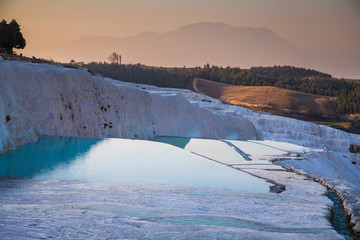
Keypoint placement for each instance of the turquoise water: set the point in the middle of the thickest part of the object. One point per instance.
(233, 222)
(338, 217)
(175, 141)
(132, 189)
(123, 160)
(45, 154)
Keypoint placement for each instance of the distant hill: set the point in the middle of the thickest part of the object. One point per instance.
(197, 44)
(270, 99)
(309, 107)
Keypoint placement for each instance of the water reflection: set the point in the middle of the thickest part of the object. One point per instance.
(123, 160)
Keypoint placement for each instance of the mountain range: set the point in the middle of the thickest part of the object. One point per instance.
(200, 43)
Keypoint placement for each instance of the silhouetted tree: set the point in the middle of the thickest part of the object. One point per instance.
(354, 149)
(114, 58)
(357, 149)
(10, 36)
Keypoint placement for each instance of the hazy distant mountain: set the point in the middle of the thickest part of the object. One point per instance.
(201, 43)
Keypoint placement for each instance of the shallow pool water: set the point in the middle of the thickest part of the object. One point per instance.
(45, 154)
(288, 147)
(58, 209)
(131, 189)
(211, 148)
(256, 148)
(123, 160)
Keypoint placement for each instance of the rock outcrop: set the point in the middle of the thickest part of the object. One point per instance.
(43, 99)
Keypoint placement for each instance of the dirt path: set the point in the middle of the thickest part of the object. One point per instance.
(195, 82)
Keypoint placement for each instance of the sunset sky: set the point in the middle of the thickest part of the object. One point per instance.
(309, 24)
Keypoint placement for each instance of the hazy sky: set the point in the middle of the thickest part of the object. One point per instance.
(309, 24)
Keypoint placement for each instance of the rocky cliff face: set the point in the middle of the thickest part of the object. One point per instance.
(42, 99)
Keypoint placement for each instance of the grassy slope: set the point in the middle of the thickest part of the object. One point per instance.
(304, 106)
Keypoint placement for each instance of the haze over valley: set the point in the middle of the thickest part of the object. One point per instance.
(197, 44)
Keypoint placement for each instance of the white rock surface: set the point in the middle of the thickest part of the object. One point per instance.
(118, 210)
(277, 128)
(273, 127)
(338, 171)
(43, 99)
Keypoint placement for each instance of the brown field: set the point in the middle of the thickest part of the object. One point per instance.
(309, 107)
(270, 99)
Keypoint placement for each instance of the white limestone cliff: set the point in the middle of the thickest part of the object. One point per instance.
(43, 99)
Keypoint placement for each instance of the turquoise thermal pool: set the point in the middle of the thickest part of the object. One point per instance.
(73, 188)
(122, 160)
